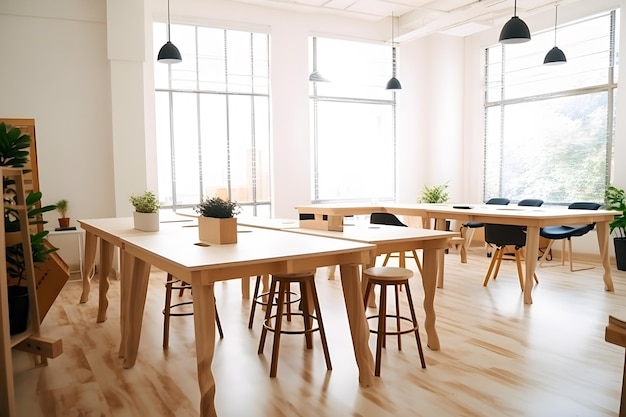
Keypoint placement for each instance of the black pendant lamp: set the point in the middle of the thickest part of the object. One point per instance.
(169, 53)
(393, 83)
(555, 56)
(515, 30)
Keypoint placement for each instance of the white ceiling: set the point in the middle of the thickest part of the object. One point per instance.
(417, 18)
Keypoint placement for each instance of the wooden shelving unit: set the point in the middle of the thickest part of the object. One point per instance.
(28, 340)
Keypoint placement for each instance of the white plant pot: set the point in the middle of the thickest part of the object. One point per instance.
(148, 222)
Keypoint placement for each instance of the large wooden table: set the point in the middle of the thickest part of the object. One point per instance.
(534, 218)
(107, 233)
(399, 239)
(257, 251)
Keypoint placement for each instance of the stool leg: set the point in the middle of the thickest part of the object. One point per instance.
(268, 313)
(306, 313)
(218, 322)
(283, 286)
(414, 318)
(166, 311)
(320, 323)
(254, 300)
(382, 327)
(395, 287)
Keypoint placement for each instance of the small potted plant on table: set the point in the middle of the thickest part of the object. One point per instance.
(217, 222)
(64, 221)
(146, 214)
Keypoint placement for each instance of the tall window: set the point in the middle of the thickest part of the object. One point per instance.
(212, 114)
(352, 121)
(549, 129)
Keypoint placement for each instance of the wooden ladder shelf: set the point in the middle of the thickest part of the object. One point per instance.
(29, 340)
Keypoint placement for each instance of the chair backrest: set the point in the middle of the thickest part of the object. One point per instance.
(530, 202)
(584, 205)
(386, 218)
(500, 201)
(505, 235)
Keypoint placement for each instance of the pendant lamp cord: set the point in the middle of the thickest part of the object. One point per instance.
(556, 13)
(168, 20)
(393, 51)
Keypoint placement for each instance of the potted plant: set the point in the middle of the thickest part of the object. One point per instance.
(615, 199)
(434, 194)
(217, 222)
(14, 152)
(64, 221)
(146, 214)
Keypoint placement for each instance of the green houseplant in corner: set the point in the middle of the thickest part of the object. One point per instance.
(615, 199)
(14, 153)
(146, 214)
(217, 222)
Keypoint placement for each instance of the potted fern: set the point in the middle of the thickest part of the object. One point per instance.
(434, 194)
(146, 214)
(217, 222)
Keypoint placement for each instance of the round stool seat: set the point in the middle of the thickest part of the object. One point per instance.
(388, 274)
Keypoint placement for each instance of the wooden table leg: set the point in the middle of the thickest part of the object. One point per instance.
(440, 224)
(126, 274)
(603, 233)
(89, 260)
(429, 282)
(106, 263)
(532, 250)
(245, 288)
(132, 327)
(204, 325)
(359, 329)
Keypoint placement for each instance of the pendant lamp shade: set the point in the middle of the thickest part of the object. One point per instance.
(169, 53)
(393, 83)
(555, 56)
(515, 30)
(316, 75)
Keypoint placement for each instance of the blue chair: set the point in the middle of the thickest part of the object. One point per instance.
(566, 233)
(503, 235)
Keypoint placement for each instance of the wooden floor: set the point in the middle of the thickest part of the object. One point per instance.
(499, 357)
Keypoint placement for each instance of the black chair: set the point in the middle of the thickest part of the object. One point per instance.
(564, 233)
(468, 228)
(503, 235)
(391, 220)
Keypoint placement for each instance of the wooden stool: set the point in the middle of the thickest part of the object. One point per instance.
(258, 299)
(176, 284)
(308, 293)
(397, 277)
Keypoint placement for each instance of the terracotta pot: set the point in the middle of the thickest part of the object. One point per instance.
(64, 222)
(220, 231)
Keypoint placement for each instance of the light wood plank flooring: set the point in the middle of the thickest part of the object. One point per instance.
(499, 357)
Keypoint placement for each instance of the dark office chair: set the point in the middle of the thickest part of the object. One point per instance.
(566, 233)
(391, 220)
(468, 228)
(503, 235)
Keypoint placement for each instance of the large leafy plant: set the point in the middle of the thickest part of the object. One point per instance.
(615, 199)
(14, 152)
